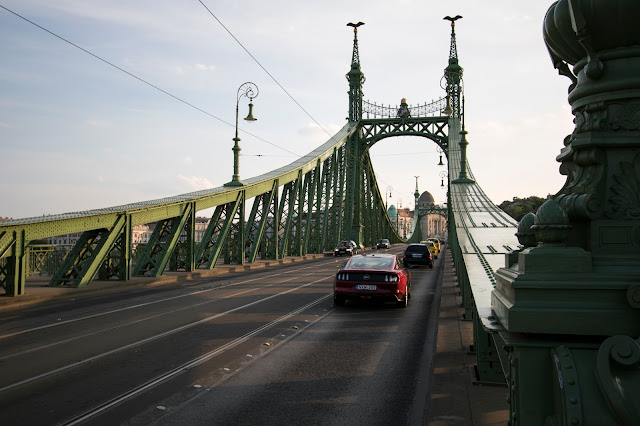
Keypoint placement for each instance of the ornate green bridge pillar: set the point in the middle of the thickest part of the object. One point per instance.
(571, 304)
(354, 186)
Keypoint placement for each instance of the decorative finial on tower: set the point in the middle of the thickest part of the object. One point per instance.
(453, 74)
(453, 51)
(355, 59)
(355, 78)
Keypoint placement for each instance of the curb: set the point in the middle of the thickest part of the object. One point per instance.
(37, 291)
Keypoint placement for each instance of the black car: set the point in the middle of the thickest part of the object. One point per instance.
(346, 247)
(383, 243)
(417, 254)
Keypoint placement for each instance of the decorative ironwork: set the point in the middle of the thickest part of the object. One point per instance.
(355, 58)
(432, 109)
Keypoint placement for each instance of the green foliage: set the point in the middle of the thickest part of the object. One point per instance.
(518, 207)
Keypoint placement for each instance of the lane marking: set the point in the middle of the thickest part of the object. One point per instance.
(155, 337)
(139, 305)
(195, 362)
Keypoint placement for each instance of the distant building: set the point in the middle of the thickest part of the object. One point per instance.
(432, 223)
(402, 220)
(139, 233)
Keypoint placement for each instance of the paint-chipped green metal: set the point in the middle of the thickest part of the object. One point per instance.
(570, 300)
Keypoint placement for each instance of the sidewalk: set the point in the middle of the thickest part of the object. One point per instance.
(455, 397)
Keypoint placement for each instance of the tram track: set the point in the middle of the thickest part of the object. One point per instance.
(142, 305)
(190, 364)
(160, 335)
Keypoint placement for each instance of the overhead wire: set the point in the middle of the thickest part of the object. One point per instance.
(264, 69)
(141, 79)
(271, 76)
(178, 98)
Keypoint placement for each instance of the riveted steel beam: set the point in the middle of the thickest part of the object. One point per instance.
(161, 245)
(215, 237)
(87, 255)
(258, 220)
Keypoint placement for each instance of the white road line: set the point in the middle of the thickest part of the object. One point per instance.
(190, 364)
(59, 323)
(157, 336)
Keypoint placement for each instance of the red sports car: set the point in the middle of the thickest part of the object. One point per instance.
(375, 277)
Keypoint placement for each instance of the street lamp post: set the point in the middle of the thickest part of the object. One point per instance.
(398, 215)
(443, 175)
(249, 90)
(387, 193)
(440, 151)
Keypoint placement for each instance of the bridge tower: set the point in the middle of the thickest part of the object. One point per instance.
(353, 220)
(455, 98)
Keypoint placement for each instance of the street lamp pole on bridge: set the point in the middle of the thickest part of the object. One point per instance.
(249, 90)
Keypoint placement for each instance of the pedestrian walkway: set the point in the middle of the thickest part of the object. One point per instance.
(456, 398)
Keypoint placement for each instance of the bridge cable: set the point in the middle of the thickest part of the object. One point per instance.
(174, 96)
(264, 69)
(142, 80)
(273, 78)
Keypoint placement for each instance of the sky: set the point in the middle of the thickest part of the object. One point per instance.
(77, 133)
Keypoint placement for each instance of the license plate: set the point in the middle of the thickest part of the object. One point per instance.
(365, 287)
(417, 255)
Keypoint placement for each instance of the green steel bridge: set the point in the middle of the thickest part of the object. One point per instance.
(554, 299)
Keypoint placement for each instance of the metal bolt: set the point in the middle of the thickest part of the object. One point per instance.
(574, 421)
(573, 400)
(624, 351)
(571, 381)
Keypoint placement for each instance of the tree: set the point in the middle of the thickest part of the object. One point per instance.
(519, 207)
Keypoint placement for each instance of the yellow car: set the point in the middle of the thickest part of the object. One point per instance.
(435, 242)
(432, 248)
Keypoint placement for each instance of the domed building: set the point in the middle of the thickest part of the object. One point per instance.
(426, 201)
(433, 222)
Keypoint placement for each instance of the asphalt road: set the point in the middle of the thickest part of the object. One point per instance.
(266, 347)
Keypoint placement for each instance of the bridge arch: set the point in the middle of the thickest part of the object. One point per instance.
(432, 128)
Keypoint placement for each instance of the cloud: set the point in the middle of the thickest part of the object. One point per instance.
(194, 182)
(101, 179)
(186, 69)
(201, 67)
(315, 133)
(98, 123)
(3, 124)
(187, 160)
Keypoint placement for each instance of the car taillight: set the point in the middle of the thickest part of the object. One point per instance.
(343, 277)
(391, 278)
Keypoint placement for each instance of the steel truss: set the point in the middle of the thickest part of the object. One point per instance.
(305, 207)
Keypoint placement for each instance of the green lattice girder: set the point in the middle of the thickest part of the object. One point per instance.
(87, 255)
(215, 237)
(258, 219)
(118, 261)
(162, 243)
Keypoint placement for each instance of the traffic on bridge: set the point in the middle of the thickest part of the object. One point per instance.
(266, 346)
(553, 300)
